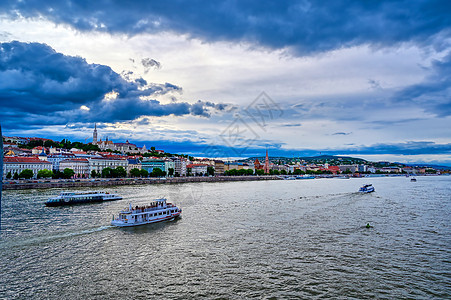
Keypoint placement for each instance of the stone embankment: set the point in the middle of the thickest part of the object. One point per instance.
(46, 184)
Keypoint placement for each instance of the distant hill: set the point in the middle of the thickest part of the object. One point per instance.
(311, 159)
(437, 167)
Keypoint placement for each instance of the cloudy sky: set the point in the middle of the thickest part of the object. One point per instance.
(370, 79)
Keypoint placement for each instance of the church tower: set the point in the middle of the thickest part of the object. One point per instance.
(266, 169)
(94, 135)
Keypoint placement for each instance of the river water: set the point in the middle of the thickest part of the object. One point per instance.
(236, 240)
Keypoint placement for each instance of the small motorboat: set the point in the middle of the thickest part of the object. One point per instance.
(367, 188)
(413, 179)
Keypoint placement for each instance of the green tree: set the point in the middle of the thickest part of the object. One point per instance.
(144, 173)
(157, 172)
(113, 173)
(8, 176)
(188, 171)
(107, 172)
(16, 176)
(27, 174)
(298, 172)
(283, 172)
(93, 174)
(152, 149)
(121, 172)
(45, 173)
(171, 171)
(58, 174)
(211, 171)
(135, 172)
(259, 172)
(68, 173)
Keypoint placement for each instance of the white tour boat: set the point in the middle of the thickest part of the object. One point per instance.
(157, 211)
(367, 188)
(66, 198)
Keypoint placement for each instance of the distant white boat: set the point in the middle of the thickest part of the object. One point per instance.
(367, 188)
(67, 198)
(156, 211)
(305, 177)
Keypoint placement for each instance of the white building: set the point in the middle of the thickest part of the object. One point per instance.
(179, 165)
(18, 164)
(133, 163)
(98, 164)
(79, 165)
(57, 158)
(198, 169)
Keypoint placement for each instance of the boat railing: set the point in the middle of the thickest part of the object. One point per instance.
(148, 208)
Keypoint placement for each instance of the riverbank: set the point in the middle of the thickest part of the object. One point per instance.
(47, 184)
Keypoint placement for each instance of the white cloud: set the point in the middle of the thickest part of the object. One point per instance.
(333, 92)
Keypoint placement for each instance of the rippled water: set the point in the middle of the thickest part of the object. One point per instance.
(277, 239)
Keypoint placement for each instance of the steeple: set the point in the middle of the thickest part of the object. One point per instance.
(94, 134)
(266, 169)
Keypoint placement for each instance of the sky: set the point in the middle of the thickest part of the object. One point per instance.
(369, 79)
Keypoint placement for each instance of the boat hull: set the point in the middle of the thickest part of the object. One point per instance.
(366, 191)
(62, 202)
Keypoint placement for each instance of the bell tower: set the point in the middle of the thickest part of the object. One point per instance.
(266, 167)
(94, 135)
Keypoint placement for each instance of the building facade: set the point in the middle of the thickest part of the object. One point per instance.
(219, 167)
(133, 163)
(98, 164)
(18, 164)
(179, 166)
(79, 165)
(150, 164)
(198, 169)
(55, 159)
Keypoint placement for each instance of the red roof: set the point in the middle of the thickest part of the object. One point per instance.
(196, 165)
(33, 160)
(333, 168)
(75, 160)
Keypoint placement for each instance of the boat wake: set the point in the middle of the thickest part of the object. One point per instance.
(37, 240)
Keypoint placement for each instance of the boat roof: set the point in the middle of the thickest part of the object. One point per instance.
(159, 200)
(81, 192)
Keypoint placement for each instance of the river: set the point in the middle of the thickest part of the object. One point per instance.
(236, 240)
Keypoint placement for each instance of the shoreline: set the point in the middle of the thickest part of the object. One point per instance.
(49, 184)
(75, 183)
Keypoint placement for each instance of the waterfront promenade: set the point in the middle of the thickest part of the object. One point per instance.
(70, 183)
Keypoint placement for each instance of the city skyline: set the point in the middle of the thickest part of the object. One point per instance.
(298, 78)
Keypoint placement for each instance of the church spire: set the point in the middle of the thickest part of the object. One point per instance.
(94, 134)
(266, 162)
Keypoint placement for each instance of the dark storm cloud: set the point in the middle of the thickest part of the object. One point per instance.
(40, 86)
(305, 26)
(409, 148)
(434, 93)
